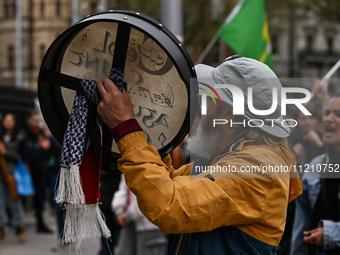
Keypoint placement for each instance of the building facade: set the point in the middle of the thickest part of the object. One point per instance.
(304, 45)
(42, 22)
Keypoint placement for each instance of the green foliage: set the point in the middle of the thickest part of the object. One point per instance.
(321, 9)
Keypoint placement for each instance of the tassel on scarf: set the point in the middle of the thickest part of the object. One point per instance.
(60, 193)
(70, 188)
(84, 221)
(79, 179)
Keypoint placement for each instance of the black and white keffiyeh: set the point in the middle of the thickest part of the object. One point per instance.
(70, 190)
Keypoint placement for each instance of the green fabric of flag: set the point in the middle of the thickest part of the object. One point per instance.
(245, 30)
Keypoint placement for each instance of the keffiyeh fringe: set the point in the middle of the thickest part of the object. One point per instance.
(70, 188)
(82, 220)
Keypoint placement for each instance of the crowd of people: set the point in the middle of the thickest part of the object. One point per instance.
(316, 228)
(316, 153)
(33, 146)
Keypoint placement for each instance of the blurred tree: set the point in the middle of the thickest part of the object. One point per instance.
(202, 18)
(325, 9)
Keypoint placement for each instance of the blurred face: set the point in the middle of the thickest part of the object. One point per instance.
(8, 122)
(331, 123)
(306, 123)
(34, 120)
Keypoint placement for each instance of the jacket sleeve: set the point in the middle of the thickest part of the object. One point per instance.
(180, 203)
(184, 170)
(120, 197)
(331, 234)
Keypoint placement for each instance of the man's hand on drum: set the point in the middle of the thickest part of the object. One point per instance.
(115, 106)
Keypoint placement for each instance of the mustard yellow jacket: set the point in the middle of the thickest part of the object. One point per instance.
(176, 202)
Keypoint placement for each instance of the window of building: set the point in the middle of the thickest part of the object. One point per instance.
(42, 8)
(13, 9)
(9, 9)
(57, 8)
(10, 57)
(330, 45)
(309, 43)
(5, 9)
(274, 42)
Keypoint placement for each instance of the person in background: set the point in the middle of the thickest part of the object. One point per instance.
(317, 217)
(138, 235)
(36, 151)
(53, 167)
(9, 154)
(285, 243)
(321, 93)
(109, 183)
(310, 143)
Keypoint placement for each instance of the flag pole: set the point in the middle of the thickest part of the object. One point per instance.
(330, 72)
(328, 75)
(212, 42)
(207, 49)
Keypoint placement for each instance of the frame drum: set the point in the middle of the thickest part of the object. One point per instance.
(157, 69)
